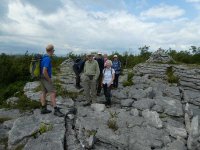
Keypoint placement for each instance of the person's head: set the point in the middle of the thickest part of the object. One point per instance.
(108, 63)
(90, 56)
(115, 57)
(99, 55)
(105, 55)
(50, 49)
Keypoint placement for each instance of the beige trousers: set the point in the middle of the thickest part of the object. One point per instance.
(90, 89)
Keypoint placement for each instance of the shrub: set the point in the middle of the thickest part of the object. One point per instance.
(171, 78)
(112, 121)
(129, 81)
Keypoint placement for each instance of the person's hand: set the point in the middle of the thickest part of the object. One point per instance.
(101, 84)
(109, 84)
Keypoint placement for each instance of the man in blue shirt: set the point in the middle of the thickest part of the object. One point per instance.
(46, 82)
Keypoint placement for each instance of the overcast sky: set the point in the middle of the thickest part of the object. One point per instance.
(98, 25)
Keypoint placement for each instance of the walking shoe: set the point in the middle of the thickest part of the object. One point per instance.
(58, 113)
(45, 111)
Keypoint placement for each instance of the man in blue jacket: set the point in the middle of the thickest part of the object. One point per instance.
(46, 82)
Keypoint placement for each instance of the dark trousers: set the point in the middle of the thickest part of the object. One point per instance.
(99, 83)
(78, 79)
(115, 82)
(107, 93)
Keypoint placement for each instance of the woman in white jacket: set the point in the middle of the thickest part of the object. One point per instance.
(107, 81)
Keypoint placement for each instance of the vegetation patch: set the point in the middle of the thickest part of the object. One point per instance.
(129, 81)
(43, 128)
(4, 142)
(23, 104)
(20, 147)
(2, 120)
(112, 121)
(64, 93)
(171, 78)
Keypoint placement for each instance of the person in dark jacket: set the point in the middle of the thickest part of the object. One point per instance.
(78, 68)
(100, 61)
(116, 65)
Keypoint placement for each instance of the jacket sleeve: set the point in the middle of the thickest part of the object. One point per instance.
(97, 71)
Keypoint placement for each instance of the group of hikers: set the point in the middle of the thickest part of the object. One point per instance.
(94, 71)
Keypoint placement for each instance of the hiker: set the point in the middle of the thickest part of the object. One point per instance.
(46, 82)
(90, 75)
(116, 65)
(100, 61)
(105, 57)
(78, 68)
(108, 78)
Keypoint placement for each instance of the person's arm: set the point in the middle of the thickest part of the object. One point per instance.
(113, 77)
(97, 71)
(45, 73)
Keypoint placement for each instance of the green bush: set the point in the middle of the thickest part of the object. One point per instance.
(129, 81)
(171, 78)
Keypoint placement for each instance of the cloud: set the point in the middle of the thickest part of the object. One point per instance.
(163, 12)
(73, 28)
(193, 1)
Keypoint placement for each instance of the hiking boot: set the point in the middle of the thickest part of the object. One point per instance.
(45, 111)
(58, 113)
(79, 87)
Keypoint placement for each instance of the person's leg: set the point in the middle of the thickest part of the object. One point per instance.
(93, 90)
(117, 80)
(99, 84)
(109, 95)
(50, 88)
(105, 93)
(86, 91)
(53, 99)
(43, 98)
(44, 109)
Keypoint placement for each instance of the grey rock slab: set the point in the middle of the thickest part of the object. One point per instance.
(144, 103)
(171, 106)
(137, 94)
(192, 97)
(146, 136)
(53, 139)
(98, 107)
(12, 100)
(176, 145)
(25, 126)
(152, 118)
(127, 102)
(13, 113)
(31, 86)
(33, 95)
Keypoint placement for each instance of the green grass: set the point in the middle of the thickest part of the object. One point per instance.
(43, 128)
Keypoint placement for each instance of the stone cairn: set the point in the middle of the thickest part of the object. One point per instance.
(160, 56)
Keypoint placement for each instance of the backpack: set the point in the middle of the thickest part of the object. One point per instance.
(35, 66)
(78, 66)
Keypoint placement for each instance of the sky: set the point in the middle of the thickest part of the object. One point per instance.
(82, 26)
